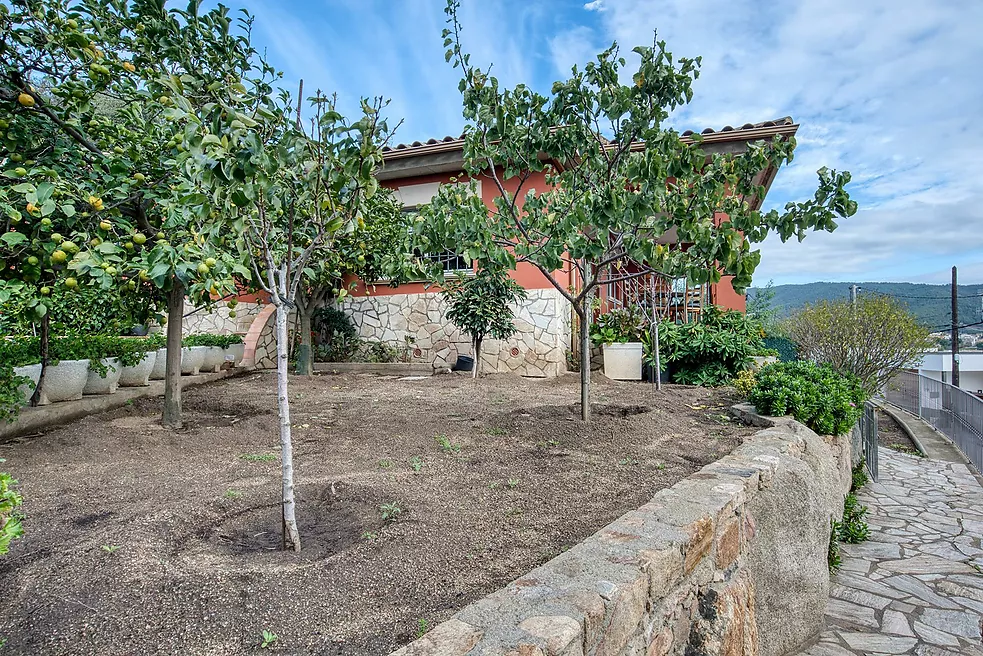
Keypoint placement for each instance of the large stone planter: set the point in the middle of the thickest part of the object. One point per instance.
(139, 374)
(32, 371)
(192, 358)
(623, 361)
(237, 352)
(760, 361)
(160, 365)
(96, 384)
(214, 358)
(64, 381)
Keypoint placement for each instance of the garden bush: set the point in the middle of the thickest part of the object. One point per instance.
(336, 336)
(10, 526)
(824, 400)
(711, 351)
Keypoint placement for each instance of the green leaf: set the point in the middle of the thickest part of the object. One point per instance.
(13, 238)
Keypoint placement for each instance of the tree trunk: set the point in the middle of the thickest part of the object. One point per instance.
(305, 350)
(585, 358)
(291, 535)
(477, 357)
(44, 342)
(172, 375)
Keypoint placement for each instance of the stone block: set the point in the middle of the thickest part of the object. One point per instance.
(450, 638)
(728, 546)
(563, 635)
(700, 540)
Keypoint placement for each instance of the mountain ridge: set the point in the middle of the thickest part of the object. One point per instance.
(931, 304)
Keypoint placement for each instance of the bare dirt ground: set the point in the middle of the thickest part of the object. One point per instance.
(141, 540)
(890, 435)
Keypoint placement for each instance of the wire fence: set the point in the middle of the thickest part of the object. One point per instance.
(953, 412)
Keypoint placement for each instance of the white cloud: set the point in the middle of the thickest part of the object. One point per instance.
(595, 5)
(889, 90)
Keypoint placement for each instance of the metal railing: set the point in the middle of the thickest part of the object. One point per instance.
(955, 413)
(868, 437)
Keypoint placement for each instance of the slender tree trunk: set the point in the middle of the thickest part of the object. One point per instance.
(585, 359)
(45, 340)
(477, 357)
(305, 350)
(172, 375)
(291, 535)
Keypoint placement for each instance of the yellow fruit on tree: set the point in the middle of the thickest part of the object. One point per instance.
(26, 99)
(20, 171)
(59, 256)
(32, 208)
(130, 67)
(210, 262)
(105, 225)
(139, 177)
(203, 269)
(56, 238)
(71, 283)
(144, 276)
(45, 291)
(111, 270)
(139, 238)
(33, 261)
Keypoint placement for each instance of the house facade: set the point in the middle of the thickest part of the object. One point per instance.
(413, 316)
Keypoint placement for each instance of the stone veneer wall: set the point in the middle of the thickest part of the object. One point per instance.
(730, 561)
(218, 322)
(538, 349)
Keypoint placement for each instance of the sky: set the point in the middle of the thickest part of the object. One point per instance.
(890, 90)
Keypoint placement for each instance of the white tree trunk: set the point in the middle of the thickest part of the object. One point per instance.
(291, 535)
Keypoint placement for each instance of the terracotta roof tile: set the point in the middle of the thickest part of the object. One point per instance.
(406, 149)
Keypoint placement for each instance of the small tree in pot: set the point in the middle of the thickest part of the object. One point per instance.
(481, 306)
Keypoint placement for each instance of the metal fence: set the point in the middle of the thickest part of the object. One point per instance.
(868, 437)
(953, 412)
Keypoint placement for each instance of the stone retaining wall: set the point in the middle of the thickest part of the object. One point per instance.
(538, 348)
(217, 320)
(731, 560)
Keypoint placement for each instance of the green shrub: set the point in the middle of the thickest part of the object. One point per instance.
(10, 526)
(337, 338)
(853, 528)
(744, 382)
(825, 401)
(618, 327)
(711, 351)
(207, 339)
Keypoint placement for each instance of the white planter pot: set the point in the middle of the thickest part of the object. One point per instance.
(623, 361)
(192, 357)
(32, 371)
(96, 384)
(214, 358)
(139, 374)
(64, 381)
(759, 361)
(235, 352)
(160, 365)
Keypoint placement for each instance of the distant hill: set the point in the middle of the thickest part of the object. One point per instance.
(929, 303)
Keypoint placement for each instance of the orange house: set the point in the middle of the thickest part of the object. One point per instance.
(412, 315)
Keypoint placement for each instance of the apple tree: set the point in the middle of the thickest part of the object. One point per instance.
(617, 180)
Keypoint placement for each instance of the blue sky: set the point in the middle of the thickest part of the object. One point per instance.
(891, 90)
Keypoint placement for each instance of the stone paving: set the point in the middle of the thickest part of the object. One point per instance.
(916, 586)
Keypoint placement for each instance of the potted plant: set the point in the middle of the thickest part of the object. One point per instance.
(192, 359)
(235, 349)
(105, 364)
(158, 343)
(213, 350)
(619, 334)
(138, 358)
(67, 371)
(20, 369)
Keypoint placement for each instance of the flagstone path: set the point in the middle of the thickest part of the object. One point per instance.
(916, 586)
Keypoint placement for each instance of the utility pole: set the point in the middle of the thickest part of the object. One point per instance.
(954, 333)
(853, 294)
